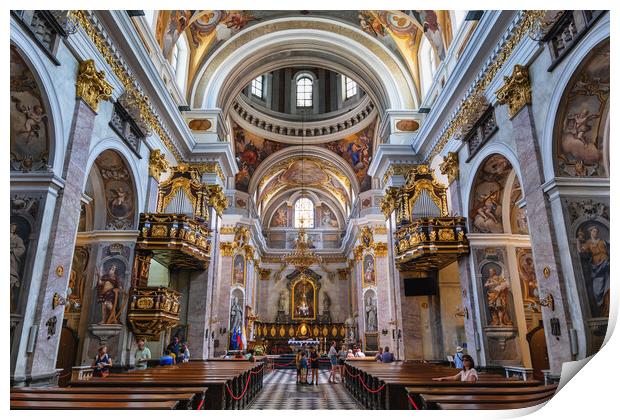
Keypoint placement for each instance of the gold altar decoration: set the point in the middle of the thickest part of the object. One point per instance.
(528, 24)
(176, 240)
(152, 310)
(426, 238)
(299, 330)
(240, 243)
(302, 256)
(91, 85)
(450, 167)
(303, 299)
(158, 164)
(516, 91)
(367, 243)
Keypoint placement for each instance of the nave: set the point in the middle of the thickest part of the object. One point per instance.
(281, 392)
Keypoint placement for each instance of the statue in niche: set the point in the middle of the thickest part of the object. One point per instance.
(18, 249)
(371, 313)
(282, 301)
(108, 290)
(595, 250)
(236, 314)
(497, 298)
(327, 302)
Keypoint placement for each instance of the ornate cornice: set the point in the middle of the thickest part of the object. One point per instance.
(157, 164)
(91, 85)
(528, 23)
(126, 78)
(450, 167)
(516, 91)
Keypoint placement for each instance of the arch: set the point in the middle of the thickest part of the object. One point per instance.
(488, 150)
(179, 61)
(594, 37)
(49, 97)
(365, 60)
(137, 175)
(581, 118)
(114, 183)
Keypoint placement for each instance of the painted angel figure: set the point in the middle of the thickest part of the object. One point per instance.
(581, 124)
(34, 116)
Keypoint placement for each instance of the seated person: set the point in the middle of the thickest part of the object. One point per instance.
(167, 359)
(350, 354)
(468, 374)
(379, 354)
(358, 353)
(387, 357)
(250, 355)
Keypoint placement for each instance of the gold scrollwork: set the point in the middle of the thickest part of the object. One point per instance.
(158, 164)
(91, 85)
(516, 91)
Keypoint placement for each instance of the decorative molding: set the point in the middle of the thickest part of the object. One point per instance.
(157, 164)
(516, 91)
(126, 79)
(528, 22)
(91, 85)
(210, 167)
(450, 167)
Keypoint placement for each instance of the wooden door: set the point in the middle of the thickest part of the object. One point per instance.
(538, 351)
(67, 352)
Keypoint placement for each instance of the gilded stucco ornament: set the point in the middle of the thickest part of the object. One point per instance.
(516, 92)
(157, 164)
(450, 167)
(91, 84)
(216, 198)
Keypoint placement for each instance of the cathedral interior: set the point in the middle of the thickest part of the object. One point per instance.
(423, 180)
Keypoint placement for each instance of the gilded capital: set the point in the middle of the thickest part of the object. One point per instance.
(516, 92)
(91, 84)
(216, 198)
(450, 167)
(157, 164)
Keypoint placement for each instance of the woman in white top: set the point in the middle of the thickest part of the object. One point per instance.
(468, 374)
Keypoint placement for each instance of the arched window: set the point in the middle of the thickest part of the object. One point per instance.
(179, 61)
(304, 91)
(257, 87)
(427, 64)
(304, 213)
(350, 87)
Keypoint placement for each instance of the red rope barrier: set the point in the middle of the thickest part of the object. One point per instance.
(370, 390)
(412, 402)
(258, 371)
(244, 390)
(201, 404)
(359, 378)
(281, 365)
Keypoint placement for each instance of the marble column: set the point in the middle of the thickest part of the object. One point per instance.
(200, 298)
(384, 301)
(465, 277)
(61, 244)
(543, 238)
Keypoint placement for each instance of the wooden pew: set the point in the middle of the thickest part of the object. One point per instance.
(182, 400)
(198, 393)
(91, 405)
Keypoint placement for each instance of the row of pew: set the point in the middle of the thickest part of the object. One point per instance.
(210, 385)
(410, 385)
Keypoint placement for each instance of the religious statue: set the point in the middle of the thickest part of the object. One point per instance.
(497, 298)
(369, 270)
(327, 302)
(236, 314)
(17, 252)
(371, 314)
(108, 290)
(596, 251)
(282, 301)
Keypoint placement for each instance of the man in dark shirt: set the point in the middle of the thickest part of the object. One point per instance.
(387, 356)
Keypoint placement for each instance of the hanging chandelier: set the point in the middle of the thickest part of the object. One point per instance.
(302, 255)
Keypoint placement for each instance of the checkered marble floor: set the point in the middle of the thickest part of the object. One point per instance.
(280, 392)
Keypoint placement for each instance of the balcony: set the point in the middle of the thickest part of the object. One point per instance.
(153, 310)
(176, 240)
(430, 243)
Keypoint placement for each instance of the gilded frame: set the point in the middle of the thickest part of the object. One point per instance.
(300, 279)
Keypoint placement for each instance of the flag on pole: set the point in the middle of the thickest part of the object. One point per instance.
(244, 339)
(239, 342)
(234, 340)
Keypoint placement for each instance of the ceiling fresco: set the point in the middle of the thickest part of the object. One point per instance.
(399, 30)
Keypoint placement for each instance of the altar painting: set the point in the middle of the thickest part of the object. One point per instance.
(303, 300)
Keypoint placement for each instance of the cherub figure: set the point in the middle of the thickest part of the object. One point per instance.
(34, 115)
(581, 124)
